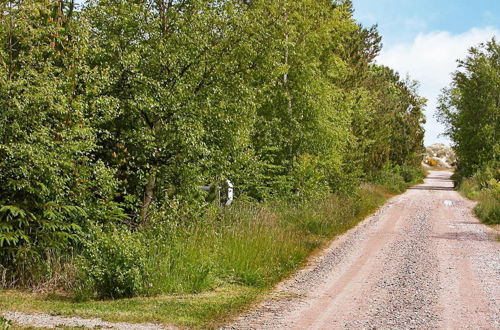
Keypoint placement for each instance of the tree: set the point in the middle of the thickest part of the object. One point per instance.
(50, 184)
(182, 75)
(470, 108)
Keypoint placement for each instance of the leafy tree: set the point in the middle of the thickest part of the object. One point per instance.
(306, 113)
(470, 108)
(182, 76)
(50, 184)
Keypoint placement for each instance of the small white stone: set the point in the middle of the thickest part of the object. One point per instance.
(448, 203)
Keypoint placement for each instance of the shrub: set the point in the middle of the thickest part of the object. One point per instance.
(411, 175)
(469, 187)
(112, 265)
(27, 240)
(390, 178)
(432, 162)
(483, 186)
(488, 208)
(398, 178)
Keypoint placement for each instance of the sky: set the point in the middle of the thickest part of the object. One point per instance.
(425, 38)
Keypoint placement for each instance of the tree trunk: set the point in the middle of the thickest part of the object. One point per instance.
(148, 197)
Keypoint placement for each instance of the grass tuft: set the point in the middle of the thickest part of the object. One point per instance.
(487, 195)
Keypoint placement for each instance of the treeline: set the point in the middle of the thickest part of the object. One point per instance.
(117, 112)
(470, 108)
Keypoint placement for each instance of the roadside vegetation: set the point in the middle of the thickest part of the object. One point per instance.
(471, 110)
(114, 115)
(212, 268)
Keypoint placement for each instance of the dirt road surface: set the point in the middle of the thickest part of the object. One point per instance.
(423, 261)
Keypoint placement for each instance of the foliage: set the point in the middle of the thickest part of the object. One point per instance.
(469, 187)
(112, 264)
(484, 187)
(398, 178)
(471, 110)
(116, 112)
(488, 208)
(251, 244)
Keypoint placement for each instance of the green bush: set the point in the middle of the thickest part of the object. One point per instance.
(112, 265)
(469, 187)
(488, 207)
(411, 175)
(390, 178)
(398, 178)
(483, 186)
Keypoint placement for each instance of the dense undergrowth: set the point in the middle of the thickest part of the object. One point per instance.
(249, 243)
(484, 187)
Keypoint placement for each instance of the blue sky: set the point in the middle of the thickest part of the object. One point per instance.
(425, 38)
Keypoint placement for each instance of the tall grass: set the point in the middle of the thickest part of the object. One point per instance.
(251, 244)
(488, 208)
(470, 188)
(487, 194)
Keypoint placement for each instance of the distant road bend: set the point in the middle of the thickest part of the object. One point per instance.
(423, 261)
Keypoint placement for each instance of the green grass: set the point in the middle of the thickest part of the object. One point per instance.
(198, 275)
(469, 188)
(200, 310)
(4, 323)
(488, 208)
(487, 197)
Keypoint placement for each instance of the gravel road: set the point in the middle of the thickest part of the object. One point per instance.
(423, 261)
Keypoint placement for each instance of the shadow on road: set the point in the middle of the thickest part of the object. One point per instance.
(466, 236)
(431, 188)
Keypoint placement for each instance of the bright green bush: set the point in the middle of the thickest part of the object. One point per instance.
(483, 186)
(113, 264)
(390, 178)
(411, 175)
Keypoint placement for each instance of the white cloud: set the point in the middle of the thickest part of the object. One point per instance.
(430, 59)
